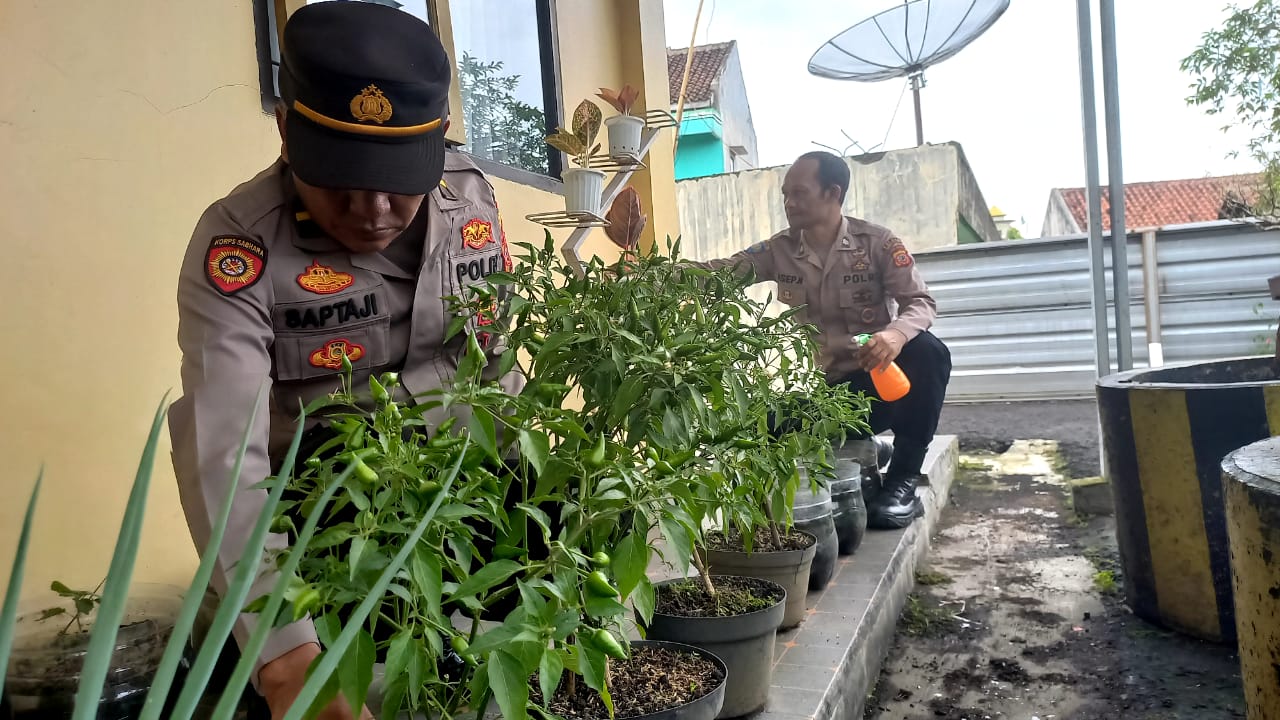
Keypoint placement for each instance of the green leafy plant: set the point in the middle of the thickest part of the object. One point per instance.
(622, 99)
(1236, 75)
(646, 410)
(83, 603)
(116, 587)
(580, 143)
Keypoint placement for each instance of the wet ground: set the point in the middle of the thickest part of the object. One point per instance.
(1018, 612)
(992, 426)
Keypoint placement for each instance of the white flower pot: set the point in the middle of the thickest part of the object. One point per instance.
(582, 190)
(624, 135)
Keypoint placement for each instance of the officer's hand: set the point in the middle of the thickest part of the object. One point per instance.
(282, 679)
(882, 349)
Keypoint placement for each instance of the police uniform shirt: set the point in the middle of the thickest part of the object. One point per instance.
(265, 297)
(846, 293)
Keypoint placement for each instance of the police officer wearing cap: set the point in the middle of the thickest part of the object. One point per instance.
(344, 247)
(851, 276)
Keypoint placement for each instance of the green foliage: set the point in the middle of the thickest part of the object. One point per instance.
(83, 602)
(1236, 75)
(500, 126)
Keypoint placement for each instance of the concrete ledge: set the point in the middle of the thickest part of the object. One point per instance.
(1092, 496)
(824, 669)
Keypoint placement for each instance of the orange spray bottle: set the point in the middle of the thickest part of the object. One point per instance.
(891, 383)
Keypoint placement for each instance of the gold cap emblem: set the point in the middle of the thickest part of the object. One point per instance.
(371, 106)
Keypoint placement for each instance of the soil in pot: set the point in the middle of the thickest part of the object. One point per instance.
(787, 563)
(656, 678)
(739, 625)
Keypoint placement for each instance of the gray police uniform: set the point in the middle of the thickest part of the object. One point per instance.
(851, 291)
(265, 298)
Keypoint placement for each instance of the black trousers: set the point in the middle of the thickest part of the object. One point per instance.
(926, 362)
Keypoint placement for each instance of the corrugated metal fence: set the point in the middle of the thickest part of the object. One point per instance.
(1017, 315)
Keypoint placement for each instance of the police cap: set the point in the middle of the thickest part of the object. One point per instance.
(367, 92)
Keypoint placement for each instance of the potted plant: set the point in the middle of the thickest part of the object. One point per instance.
(583, 185)
(51, 644)
(661, 365)
(624, 128)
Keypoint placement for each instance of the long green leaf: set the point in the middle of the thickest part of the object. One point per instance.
(115, 593)
(258, 639)
(333, 655)
(173, 651)
(9, 615)
(510, 684)
(231, 605)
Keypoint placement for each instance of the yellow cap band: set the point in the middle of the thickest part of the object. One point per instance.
(349, 127)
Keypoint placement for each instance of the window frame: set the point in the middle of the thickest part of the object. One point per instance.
(267, 13)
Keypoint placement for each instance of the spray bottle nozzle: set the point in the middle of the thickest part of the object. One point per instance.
(862, 339)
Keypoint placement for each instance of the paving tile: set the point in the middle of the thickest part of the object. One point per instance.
(803, 677)
(851, 591)
(790, 700)
(848, 607)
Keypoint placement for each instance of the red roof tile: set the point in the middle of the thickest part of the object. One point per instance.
(1166, 202)
(708, 63)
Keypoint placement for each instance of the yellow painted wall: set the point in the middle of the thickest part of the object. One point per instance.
(119, 124)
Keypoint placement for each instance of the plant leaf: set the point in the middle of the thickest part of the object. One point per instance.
(550, 668)
(115, 593)
(630, 560)
(644, 600)
(566, 143)
(677, 537)
(481, 427)
(510, 685)
(9, 614)
(356, 671)
(488, 576)
(536, 446)
(586, 122)
(594, 667)
(626, 219)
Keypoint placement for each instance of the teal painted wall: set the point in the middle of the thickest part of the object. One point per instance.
(699, 156)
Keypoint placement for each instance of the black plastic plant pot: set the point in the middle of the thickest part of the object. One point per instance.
(788, 568)
(706, 707)
(848, 507)
(743, 642)
(812, 513)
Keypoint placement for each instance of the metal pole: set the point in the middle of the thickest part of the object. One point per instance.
(1115, 168)
(1097, 261)
(916, 84)
(1151, 299)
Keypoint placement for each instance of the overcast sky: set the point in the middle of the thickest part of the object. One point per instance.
(1011, 99)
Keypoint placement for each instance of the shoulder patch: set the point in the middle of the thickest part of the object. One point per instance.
(901, 258)
(234, 263)
(759, 247)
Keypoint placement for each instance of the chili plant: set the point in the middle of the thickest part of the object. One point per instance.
(646, 405)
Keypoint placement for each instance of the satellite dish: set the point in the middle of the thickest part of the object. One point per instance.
(904, 40)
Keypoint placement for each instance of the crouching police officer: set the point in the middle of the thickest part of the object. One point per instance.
(847, 272)
(344, 247)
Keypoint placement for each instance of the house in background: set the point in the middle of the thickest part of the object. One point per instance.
(1154, 204)
(716, 132)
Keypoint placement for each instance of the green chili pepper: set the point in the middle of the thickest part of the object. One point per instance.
(605, 642)
(307, 601)
(380, 394)
(597, 456)
(601, 559)
(363, 473)
(598, 585)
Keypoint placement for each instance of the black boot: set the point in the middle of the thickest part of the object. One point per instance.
(897, 505)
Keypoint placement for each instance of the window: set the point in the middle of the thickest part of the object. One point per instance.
(507, 85)
(504, 52)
